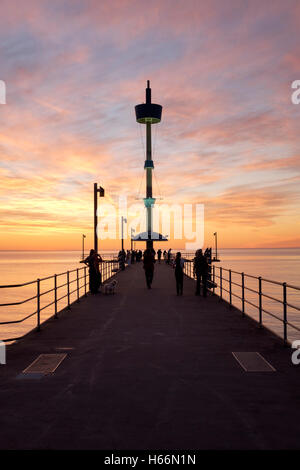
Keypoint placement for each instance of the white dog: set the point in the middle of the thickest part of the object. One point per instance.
(109, 287)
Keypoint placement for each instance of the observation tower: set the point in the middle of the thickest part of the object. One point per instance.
(149, 113)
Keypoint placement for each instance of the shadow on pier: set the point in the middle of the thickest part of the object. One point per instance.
(146, 369)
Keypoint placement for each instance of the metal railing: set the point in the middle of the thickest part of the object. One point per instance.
(107, 268)
(227, 285)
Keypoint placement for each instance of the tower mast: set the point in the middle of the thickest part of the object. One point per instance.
(148, 113)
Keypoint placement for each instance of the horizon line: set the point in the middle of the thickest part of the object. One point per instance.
(182, 249)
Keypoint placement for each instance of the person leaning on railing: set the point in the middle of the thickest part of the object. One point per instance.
(201, 272)
(93, 262)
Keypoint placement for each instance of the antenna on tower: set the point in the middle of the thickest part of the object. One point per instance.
(148, 93)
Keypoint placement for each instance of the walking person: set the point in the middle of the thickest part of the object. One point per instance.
(121, 259)
(169, 256)
(93, 262)
(149, 261)
(179, 265)
(201, 272)
(159, 255)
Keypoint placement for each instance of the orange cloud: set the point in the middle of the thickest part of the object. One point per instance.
(229, 136)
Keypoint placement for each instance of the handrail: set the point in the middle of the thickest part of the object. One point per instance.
(188, 270)
(106, 268)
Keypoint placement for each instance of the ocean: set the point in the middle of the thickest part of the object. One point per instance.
(18, 267)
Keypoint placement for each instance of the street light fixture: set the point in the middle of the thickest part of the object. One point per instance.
(97, 190)
(83, 237)
(132, 243)
(216, 247)
(123, 219)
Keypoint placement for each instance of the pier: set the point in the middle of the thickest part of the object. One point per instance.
(146, 369)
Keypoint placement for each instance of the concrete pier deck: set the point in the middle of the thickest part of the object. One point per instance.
(146, 369)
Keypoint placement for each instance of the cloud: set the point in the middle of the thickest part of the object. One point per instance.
(222, 70)
(287, 163)
(257, 207)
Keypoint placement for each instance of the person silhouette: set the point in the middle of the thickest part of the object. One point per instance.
(93, 262)
(201, 272)
(179, 265)
(149, 261)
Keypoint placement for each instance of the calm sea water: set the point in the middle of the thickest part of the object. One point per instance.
(25, 266)
(282, 265)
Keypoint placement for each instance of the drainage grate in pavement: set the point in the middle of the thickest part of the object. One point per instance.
(253, 362)
(45, 364)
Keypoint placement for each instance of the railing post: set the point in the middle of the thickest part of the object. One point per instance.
(230, 295)
(243, 294)
(214, 277)
(77, 282)
(260, 302)
(221, 289)
(85, 281)
(38, 309)
(285, 336)
(55, 295)
(68, 288)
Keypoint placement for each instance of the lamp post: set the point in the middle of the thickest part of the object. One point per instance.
(216, 244)
(123, 219)
(83, 237)
(97, 190)
(132, 232)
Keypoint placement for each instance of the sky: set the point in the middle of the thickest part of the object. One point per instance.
(229, 136)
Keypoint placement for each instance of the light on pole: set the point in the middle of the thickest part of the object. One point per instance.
(216, 246)
(132, 243)
(123, 220)
(97, 190)
(83, 237)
